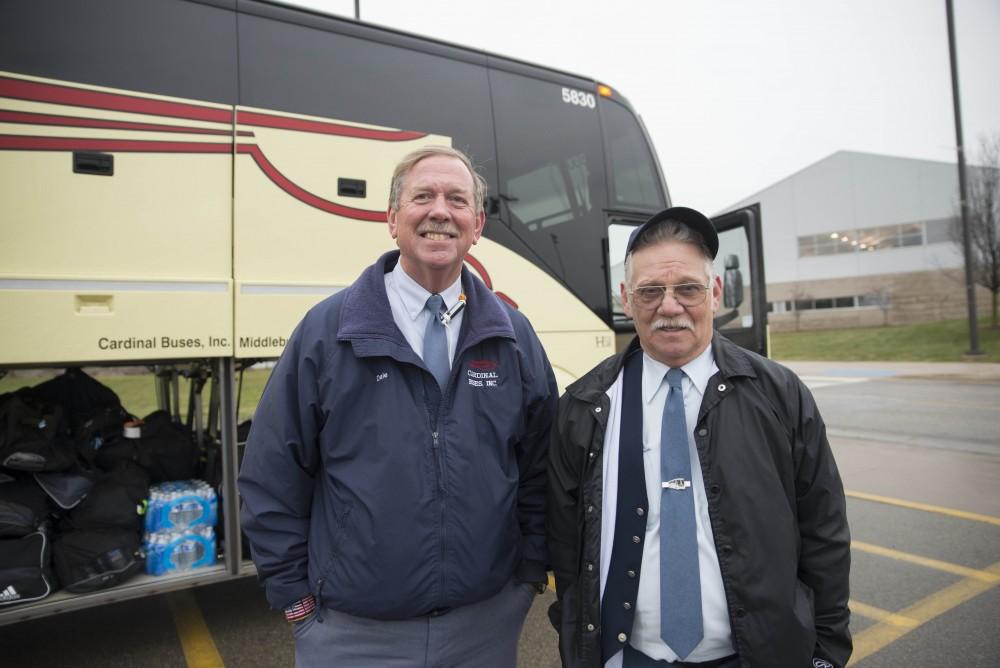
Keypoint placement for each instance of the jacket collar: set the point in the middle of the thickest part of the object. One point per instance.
(366, 314)
(729, 357)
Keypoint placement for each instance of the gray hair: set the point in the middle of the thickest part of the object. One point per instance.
(411, 159)
(670, 230)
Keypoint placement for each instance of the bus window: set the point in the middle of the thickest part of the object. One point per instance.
(634, 182)
(551, 178)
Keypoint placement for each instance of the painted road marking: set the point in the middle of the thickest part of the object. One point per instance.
(814, 382)
(944, 566)
(941, 510)
(880, 615)
(196, 640)
(884, 633)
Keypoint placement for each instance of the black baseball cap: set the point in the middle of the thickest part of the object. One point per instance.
(682, 214)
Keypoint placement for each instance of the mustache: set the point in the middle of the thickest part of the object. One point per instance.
(437, 229)
(673, 323)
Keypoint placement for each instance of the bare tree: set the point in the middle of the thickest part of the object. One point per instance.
(799, 296)
(984, 220)
(882, 297)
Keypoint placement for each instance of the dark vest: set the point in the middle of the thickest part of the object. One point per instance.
(622, 586)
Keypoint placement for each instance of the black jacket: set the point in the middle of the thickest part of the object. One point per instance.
(774, 496)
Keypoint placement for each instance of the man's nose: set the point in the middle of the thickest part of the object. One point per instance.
(439, 207)
(669, 305)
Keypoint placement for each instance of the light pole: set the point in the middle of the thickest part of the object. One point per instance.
(970, 284)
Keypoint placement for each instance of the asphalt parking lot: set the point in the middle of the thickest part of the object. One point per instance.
(920, 456)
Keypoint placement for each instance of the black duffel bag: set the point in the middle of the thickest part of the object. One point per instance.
(165, 449)
(115, 501)
(23, 506)
(94, 413)
(88, 560)
(25, 568)
(33, 435)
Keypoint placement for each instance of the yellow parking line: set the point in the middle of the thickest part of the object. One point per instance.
(962, 571)
(880, 615)
(196, 641)
(941, 510)
(876, 637)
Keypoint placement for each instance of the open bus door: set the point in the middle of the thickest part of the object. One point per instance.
(742, 315)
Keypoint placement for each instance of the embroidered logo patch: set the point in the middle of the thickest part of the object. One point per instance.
(382, 376)
(822, 663)
(482, 373)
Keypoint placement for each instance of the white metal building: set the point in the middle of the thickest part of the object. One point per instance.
(858, 239)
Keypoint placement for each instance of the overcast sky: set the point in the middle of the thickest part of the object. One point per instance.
(738, 94)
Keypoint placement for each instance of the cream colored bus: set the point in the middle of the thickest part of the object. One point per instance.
(182, 179)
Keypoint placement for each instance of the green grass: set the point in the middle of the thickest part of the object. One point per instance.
(944, 341)
(138, 391)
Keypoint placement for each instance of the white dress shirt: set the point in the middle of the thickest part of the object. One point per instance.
(717, 640)
(407, 299)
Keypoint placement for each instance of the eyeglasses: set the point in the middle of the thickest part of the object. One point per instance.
(685, 294)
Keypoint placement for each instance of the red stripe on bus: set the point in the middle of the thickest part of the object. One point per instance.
(81, 122)
(303, 195)
(481, 270)
(26, 143)
(507, 299)
(79, 97)
(323, 127)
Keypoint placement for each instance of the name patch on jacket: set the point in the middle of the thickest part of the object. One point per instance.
(483, 373)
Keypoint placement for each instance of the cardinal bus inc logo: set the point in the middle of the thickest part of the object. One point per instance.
(9, 594)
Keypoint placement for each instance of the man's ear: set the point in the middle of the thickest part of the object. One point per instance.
(480, 225)
(390, 217)
(625, 303)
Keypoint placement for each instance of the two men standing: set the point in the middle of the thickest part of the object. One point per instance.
(695, 513)
(396, 510)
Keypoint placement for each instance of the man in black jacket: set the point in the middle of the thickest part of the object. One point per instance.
(732, 548)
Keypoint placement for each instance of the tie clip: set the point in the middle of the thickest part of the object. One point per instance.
(453, 311)
(676, 483)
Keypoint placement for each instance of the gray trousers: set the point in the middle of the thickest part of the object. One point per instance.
(480, 635)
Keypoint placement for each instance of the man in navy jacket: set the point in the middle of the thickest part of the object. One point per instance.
(394, 479)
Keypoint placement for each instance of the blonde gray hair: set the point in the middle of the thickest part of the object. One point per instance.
(411, 159)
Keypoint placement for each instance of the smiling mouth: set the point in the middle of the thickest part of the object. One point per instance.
(437, 236)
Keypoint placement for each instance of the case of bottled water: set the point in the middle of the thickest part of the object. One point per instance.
(179, 504)
(179, 549)
(179, 536)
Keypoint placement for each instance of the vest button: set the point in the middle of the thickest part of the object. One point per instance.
(640, 511)
(636, 539)
(741, 612)
(703, 432)
(722, 387)
(714, 489)
(590, 627)
(622, 637)
(627, 605)
(590, 567)
(593, 454)
(631, 574)
(590, 508)
(597, 410)
(727, 550)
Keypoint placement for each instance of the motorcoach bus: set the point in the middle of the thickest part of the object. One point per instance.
(180, 180)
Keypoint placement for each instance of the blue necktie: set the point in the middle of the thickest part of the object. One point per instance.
(680, 583)
(436, 342)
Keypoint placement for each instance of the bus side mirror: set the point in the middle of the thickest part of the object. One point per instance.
(732, 283)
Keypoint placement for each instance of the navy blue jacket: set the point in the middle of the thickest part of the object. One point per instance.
(365, 486)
